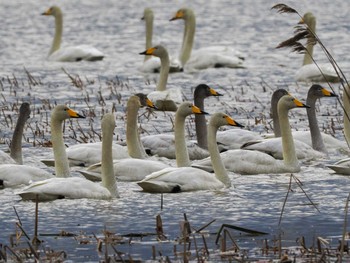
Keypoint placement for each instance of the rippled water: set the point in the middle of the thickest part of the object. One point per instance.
(115, 28)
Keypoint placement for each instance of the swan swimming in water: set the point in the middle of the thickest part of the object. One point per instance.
(181, 179)
(71, 53)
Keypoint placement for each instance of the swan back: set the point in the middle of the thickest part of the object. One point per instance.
(16, 143)
(108, 178)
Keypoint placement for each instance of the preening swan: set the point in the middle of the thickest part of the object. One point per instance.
(309, 72)
(76, 187)
(172, 180)
(152, 64)
(207, 57)
(164, 144)
(16, 142)
(14, 174)
(71, 53)
(255, 162)
(163, 98)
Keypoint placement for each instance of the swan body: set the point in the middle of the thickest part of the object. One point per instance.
(341, 167)
(152, 64)
(162, 96)
(172, 180)
(76, 187)
(255, 162)
(207, 57)
(71, 53)
(234, 139)
(5, 158)
(309, 72)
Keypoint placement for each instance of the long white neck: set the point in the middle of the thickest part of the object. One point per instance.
(164, 72)
(289, 155)
(132, 136)
(310, 47)
(188, 39)
(108, 177)
(218, 166)
(149, 34)
(201, 125)
(56, 44)
(181, 152)
(316, 137)
(59, 150)
(346, 102)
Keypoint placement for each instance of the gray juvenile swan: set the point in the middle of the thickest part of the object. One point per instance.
(71, 53)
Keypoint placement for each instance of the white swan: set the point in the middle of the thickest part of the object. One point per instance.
(164, 144)
(76, 187)
(207, 57)
(14, 174)
(255, 162)
(71, 53)
(309, 72)
(130, 169)
(163, 98)
(172, 180)
(15, 156)
(152, 64)
(310, 144)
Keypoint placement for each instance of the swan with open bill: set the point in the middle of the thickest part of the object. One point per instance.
(181, 179)
(70, 53)
(310, 72)
(152, 64)
(205, 57)
(255, 162)
(15, 174)
(77, 187)
(164, 98)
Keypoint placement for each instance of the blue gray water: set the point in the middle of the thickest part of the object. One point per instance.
(115, 28)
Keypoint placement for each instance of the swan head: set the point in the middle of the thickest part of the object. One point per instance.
(145, 101)
(187, 108)
(203, 90)
(147, 14)
(183, 13)
(63, 112)
(307, 19)
(24, 110)
(52, 11)
(289, 102)
(317, 91)
(157, 51)
(108, 122)
(221, 119)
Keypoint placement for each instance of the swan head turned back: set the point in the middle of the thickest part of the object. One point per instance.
(147, 14)
(53, 11)
(187, 108)
(316, 91)
(157, 51)
(308, 19)
(63, 112)
(221, 119)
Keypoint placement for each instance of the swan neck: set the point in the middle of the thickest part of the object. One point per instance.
(346, 102)
(315, 133)
(108, 177)
(56, 44)
(275, 119)
(132, 136)
(201, 125)
(149, 34)
(218, 166)
(310, 47)
(16, 143)
(181, 152)
(59, 150)
(188, 39)
(164, 72)
(289, 154)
